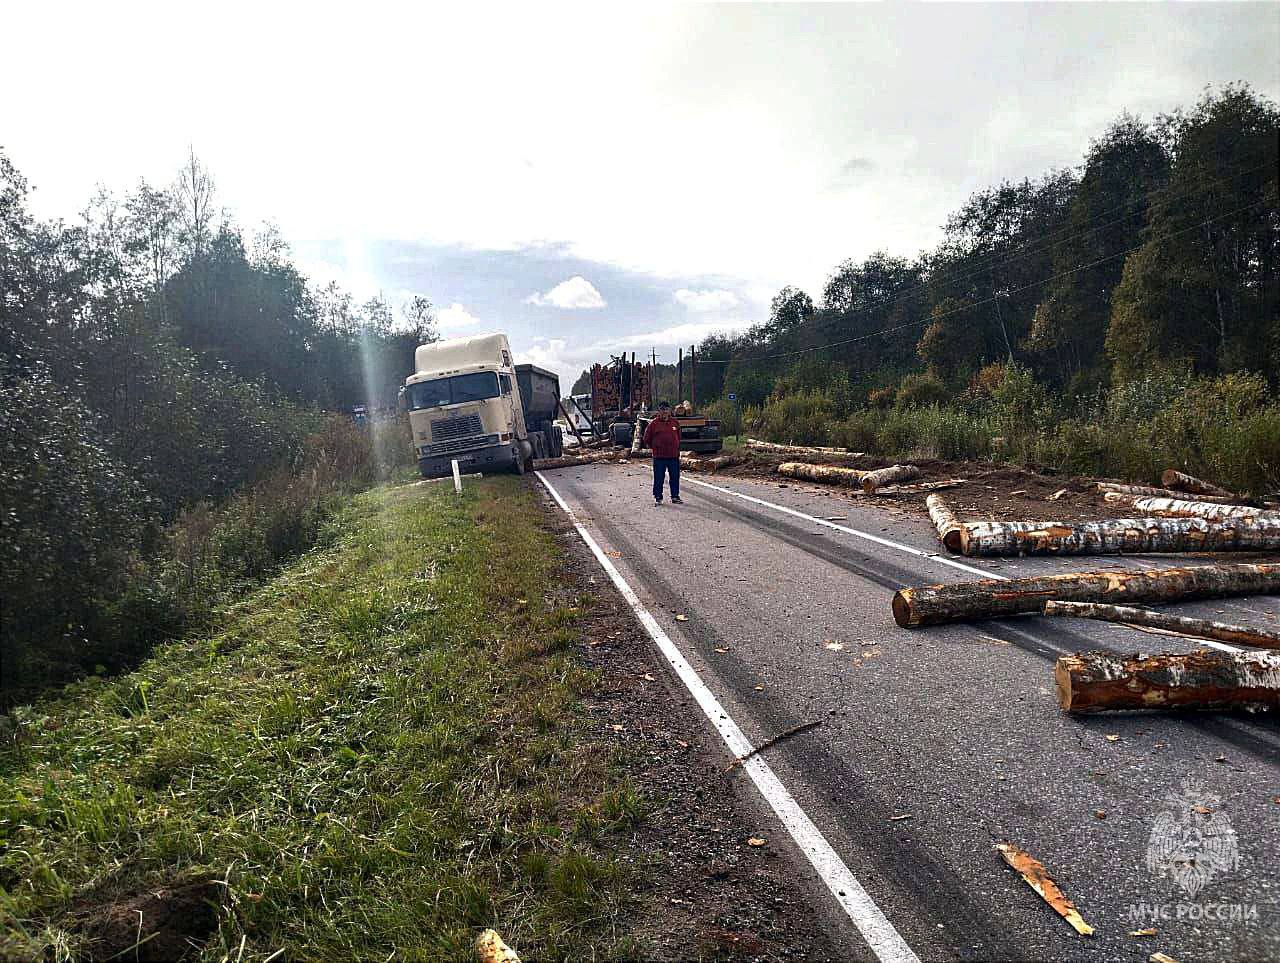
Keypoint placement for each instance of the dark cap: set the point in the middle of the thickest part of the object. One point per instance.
(664, 406)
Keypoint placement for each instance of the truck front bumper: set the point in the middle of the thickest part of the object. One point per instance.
(489, 458)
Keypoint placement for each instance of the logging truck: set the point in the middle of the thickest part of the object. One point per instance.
(622, 406)
(469, 403)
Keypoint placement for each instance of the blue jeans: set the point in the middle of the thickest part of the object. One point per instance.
(666, 466)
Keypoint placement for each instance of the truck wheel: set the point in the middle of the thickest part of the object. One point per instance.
(557, 441)
(620, 434)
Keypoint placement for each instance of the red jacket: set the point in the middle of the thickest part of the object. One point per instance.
(663, 437)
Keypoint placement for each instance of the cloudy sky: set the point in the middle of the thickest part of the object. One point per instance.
(589, 178)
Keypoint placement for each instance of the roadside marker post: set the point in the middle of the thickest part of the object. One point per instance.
(457, 478)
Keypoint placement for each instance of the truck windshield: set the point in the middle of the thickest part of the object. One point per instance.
(451, 391)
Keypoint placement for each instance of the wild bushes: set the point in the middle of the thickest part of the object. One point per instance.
(1225, 428)
(101, 580)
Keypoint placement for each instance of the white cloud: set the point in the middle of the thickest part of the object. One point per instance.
(713, 300)
(680, 335)
(455, 317)
(577, 292)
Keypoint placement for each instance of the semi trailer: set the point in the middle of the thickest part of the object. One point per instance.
(468, 402)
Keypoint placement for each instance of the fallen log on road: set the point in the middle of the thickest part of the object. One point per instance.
(715, 464)
(568, 461)
(1094, 681)
(872, 480)
(945, 521)
(1119, 536)
(829, 474)
(1200, 628)
(1105, 487)
(1172, 478)
(774, 448)
(1184, 508)
(918, 488)
(992, 599)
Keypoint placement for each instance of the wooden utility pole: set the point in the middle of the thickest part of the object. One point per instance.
(693, 376)
(680, 378)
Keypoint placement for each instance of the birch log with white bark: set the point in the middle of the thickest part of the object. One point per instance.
(1185, 508)
(829, 474)
(775, 448)
(586, 458)
(1105, 487)
(1119, 536)
(945, 521)
(1172, 478)
(992, 599)
(1200, 628)
(888, 476)
(1095, 681)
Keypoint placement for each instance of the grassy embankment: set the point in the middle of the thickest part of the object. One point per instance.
(377, 753)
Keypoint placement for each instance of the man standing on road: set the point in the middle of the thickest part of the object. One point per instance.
(663, 438)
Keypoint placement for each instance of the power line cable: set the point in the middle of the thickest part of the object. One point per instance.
(984, 301)
(989, 263)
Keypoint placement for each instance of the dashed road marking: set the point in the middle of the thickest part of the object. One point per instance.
(890, 543)
(881, 936)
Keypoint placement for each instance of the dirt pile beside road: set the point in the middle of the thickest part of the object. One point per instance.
(990, 490)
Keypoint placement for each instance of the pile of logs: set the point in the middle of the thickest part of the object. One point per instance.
(1167, 525)
(1227, 678)
(1089, 682)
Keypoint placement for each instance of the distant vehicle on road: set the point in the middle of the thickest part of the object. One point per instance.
(468, 402)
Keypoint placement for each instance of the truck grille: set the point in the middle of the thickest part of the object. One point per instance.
(452, 428)
(454, 445)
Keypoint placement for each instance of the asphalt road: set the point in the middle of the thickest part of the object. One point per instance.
(955, 727)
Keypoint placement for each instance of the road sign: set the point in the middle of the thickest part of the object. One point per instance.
(732, 396)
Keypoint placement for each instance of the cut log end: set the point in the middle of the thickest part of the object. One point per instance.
(902, 610)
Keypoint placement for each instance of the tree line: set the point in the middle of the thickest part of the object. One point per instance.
(1160, 252)
(155, 358)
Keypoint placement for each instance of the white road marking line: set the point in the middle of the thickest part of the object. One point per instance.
(890, 543)
(884, 940)
(887, 542)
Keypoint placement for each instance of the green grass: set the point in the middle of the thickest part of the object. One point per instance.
(379, 753)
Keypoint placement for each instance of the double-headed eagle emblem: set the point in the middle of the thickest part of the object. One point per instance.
(1191, 841)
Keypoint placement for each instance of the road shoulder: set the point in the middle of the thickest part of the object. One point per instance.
(707, 892)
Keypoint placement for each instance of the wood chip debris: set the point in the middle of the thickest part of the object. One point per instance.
(1150, 931)
(1056, 495)
(1160, 958)
(1037, 877)
(833, 646)
(682, 618)
(756, 841)
(491, 949)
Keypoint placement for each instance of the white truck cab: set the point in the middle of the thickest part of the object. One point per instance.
(465, 403)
